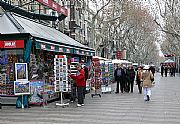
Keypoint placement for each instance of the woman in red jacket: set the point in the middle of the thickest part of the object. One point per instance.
(80, 83)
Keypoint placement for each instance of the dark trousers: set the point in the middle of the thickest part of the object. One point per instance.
(80, 92)
(122, 85)
(139, 86)
(84, 92)
(130, 86)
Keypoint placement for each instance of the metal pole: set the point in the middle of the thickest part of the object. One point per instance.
(22, 103)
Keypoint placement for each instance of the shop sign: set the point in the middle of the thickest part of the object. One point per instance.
(82, 52)
(67, 50)
(87, 53)
(118, 54)
(59, 56)
(12, 44)
(77, 51)
(43, 46)
(55, 6)
(52, 47)
(60, 49)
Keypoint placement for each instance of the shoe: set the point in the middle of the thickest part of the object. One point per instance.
(78, 105)
(116, 92)
(82, 104)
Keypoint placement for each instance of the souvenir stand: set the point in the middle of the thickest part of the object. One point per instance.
(61, 77)
(96, 80)
(40, 46)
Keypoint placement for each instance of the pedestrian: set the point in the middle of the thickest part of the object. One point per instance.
(139, 79)
(173, 71)
(125, 80)
(119, 75)
(80, 83)
(166, 71)
(147, 78)
(130, 78)
(162, 70)
(86, 70)
(153, 70)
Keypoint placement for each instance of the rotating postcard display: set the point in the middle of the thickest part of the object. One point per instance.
(61, 75)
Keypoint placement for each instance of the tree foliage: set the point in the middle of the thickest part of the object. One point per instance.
(125, 24)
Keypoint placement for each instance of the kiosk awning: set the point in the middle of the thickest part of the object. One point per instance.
(42, 34)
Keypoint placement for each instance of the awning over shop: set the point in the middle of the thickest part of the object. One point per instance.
(52, 39)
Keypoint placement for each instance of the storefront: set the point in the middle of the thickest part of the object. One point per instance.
(39, 46)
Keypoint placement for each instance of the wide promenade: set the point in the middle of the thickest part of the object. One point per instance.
(127, 108)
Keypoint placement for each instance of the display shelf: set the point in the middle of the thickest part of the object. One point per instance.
(6, 87)
(61, 75)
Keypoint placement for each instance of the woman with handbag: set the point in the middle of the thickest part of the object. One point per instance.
(147, 78)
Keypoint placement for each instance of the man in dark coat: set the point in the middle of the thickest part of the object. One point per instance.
(162, 70)
(119, 77)
(130, 79)
(152, 70)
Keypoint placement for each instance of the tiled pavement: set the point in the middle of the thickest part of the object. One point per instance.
(127, 108)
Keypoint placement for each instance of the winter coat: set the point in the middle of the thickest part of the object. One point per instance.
(147, 76)
(119, 77)
(79, 79)
(130, 75)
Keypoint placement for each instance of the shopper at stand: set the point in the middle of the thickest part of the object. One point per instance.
(139, 79)
(80, 83)
(119, 75)
(86, 74)
(130, 78)
(148, 78)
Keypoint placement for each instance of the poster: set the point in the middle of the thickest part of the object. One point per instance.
(21, 87)
(21, 71)
(36, 89)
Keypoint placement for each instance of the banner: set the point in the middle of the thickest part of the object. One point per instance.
(55, 6)
(36, 89)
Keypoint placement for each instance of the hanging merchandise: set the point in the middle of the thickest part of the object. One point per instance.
(111, 72)
(37, 92)
(96, 80)
(107, 77)
(6, 87)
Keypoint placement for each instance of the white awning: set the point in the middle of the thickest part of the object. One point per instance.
(118, 61)
(169, 61)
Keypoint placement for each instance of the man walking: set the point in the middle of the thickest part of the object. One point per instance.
(118, 74)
